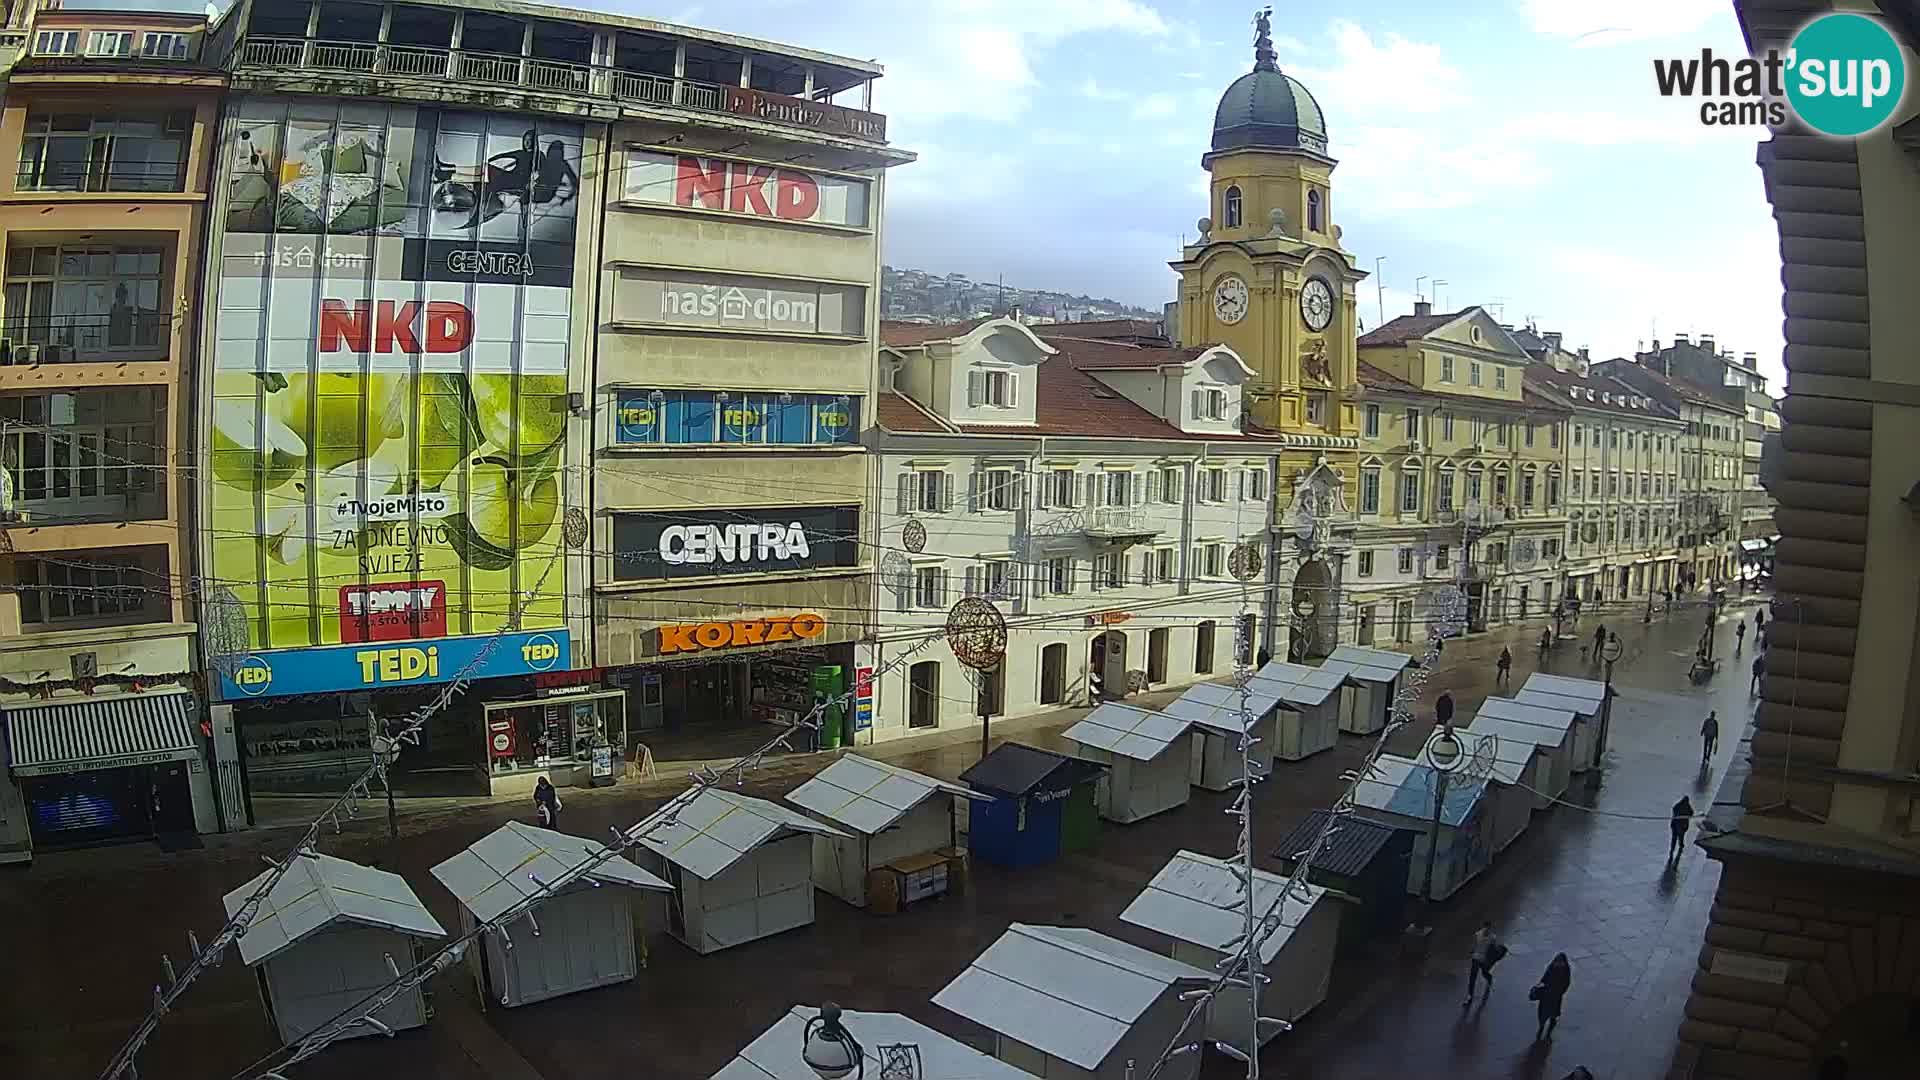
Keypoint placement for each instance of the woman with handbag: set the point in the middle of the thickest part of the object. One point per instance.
(1547, 992)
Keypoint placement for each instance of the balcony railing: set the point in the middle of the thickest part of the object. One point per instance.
(1120, 523)
(132, 176)
(69, 339)
(585, 80)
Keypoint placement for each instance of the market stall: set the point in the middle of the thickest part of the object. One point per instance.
(1309, 719)
(1372, 682)
(328, 934)
(775, 1055)
(741, 869)
(1148, 754)
(1363, 861)
(1549, 729)
(1213, 710)
(1067, 1002)
(1584, 698)
(1038, 805)
(895, 822)
(1196, 901)
(1400, 792)
(1507, 765)
(580, 938)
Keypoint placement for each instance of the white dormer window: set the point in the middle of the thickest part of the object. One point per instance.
(997, 389)
(1209, 404)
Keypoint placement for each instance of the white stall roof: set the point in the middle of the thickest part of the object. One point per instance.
(1510, 756)
(1141, 734)
(1070, 993)
(1583, 696)
(1405, 787)
(1298, 684)
(775, 1055)
(1216, 706)
(1370, 665)
(869, 796)
(1196, 898)
(1529, 713)
(719, 828)
(513, 861)
(319, 890)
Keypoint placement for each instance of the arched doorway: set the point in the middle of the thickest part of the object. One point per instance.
(1313, 631)
(1107, 666)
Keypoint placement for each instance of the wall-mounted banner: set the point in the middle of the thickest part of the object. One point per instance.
(742, 187)
(646, 296)
(734, 418)
(389, 374)
(379, 666)
(703, 543)
(774, 630)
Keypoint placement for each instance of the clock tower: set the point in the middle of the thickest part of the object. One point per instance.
(1267, 274)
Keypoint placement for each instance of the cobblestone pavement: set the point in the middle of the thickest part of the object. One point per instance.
(82, 932)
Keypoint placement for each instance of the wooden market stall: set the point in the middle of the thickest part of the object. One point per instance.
(328, 934)
(1213, 710)
(1506, 764)
(582, 937)
(1148, 754)
(899, 834)
(1196, 902)
(1309, 720)
(741, 869)
(1584, 698)
(1068, 1002)
(1037, 805)
(1550, 729)
(1364, 862)
(1372, 682)
(775, 1055)
(1400, 792)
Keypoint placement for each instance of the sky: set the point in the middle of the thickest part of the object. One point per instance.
(1515, 149)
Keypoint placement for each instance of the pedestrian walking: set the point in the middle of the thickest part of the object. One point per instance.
(1709, 737)
(546, 804)
(1548, 992)
(1505, 666)
(1759, 620)
(1599, 641)
(1682, 818)
(1739, 637)
(1759, 673)
(1487, 951)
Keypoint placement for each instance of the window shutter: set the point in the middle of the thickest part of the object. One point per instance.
(946, 491)
(971, 576)
(1146, 568)
(973, 492)
(1240, 484)
(1013, 389)
(976, 388)
(903, 503)
(1096, 490)
(907, 594)
(1199, 404)
(1079, 489)
(946, 587)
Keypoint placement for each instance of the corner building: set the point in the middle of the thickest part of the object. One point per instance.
(501, 338)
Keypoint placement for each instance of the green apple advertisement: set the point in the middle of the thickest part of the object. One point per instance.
(387, 435)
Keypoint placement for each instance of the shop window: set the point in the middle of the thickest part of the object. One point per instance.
(551, 732)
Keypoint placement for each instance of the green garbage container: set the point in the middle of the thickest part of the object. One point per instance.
(829, 682)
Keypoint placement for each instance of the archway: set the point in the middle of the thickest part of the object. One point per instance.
(1314, 631)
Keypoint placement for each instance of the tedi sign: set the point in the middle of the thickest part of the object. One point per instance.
(1843, 75)
(700, 543)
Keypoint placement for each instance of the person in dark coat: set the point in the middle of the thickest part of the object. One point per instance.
(546, 804)
(1547, 992)
(1709, 737)
(1682, 818)
(1504, 674)
(1759, 673)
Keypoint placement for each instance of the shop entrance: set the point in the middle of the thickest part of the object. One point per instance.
(1157, 642)
(142, 802)
(1053, 674)
(1107, 666)
(923, 694)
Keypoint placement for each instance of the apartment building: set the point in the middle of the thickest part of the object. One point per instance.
(543, 345)
(1736, 381)
(1095, 491)
(1460, 475)
(1712, 458)
(1623, 452)
(109, 120)
(1808, 963)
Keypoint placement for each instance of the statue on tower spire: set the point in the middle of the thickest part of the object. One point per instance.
(1264, 58)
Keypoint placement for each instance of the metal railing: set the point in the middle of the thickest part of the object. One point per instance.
(70, 339)
(428, 62)
(133, 176)
(1119, 521)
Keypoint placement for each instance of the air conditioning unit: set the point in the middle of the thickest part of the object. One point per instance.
(23, 355)
(56, 354)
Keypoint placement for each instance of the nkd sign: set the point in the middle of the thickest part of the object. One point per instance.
(388, 326)
(703, 543)
(692, 182)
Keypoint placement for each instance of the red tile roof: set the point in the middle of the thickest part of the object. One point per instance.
(1135, 330)
(1383, 380)
(1686, 389)
(1110, 355)
(906, 333)
(899, 413)
(1407, 327)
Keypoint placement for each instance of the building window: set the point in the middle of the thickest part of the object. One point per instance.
(1170, 486)
(1446, 369)
(1314, 216)
(1213, 485)
(131, 151)
(77, 454)
(1410, 489)
(1473, 485)
(1613, 483)
(110, 43)
(1371, 419)
(932, 492)
(1370, 491)
(1366, 564)
(1443, 490)
(1497, 553)
(996, 578)
(105, 587)
(1527, 438)
(1405, 558)
(1000, 489)
(1553, 489)
(1441, 555)
(1578, 430)
(1110, 570)
(1473, 373)
(1213, 561)
(1230, 209)
(1413, 425)
(1577, 476)
(87, 299)
(1500, 488)
(1119, 489)
(1613, 438)
(56, 43)
(1257, 484)
(1203, 636)
(1526, 490)
(1446, 427)
(1059, 488)
(1499, 378)
(164, 46)
(1209, 404)
(1317, 408)
(930, 587)
(993, 389)
(1553, 436)
(1163, 565)
(1550, 547)
(1060, 576)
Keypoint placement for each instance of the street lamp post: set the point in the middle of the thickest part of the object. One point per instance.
(1443, 753)
(1609, 652)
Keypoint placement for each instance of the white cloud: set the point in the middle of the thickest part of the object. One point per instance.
(1592, 24)
(1154, 106)
(1392, 73)
(1090, 88)
(1400, 169)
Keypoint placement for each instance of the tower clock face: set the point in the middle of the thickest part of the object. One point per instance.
(1230, 299)
(1316, 304)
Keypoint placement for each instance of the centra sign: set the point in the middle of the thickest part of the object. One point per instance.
(700, 637)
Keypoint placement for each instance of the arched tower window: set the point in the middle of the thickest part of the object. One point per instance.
(1313, 212)
(1230, 211)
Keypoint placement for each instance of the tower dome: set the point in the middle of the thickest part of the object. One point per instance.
(1266, 108)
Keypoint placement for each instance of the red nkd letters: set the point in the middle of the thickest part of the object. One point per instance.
(405, 326)
(760, 190)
